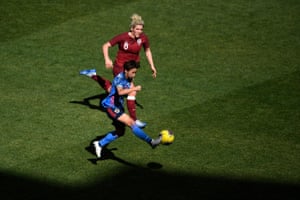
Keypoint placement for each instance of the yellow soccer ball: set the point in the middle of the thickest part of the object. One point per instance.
(167, 137)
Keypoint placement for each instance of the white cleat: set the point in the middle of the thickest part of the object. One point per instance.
(140, 124)
(88, 72)
(97, 149)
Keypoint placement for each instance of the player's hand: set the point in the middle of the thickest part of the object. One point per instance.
(154, 72)
(109, 64)
(138, 88)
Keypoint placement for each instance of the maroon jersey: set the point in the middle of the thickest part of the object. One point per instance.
(129, 48)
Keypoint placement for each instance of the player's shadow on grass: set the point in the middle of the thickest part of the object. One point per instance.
(87, 101)
(108, 154)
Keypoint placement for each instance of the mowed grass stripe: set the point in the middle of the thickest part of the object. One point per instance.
(225, 108)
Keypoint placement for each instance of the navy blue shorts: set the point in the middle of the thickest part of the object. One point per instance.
(114, 114)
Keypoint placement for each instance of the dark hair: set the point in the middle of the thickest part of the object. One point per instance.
(131, 65)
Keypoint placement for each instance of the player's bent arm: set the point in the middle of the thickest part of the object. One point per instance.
(108, 61)
(122, 91)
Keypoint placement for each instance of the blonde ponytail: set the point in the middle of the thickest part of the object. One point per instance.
(136, 20)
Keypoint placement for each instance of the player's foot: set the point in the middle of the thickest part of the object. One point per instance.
(97, 149)
(155, 142)
(140, 124)
(88, 72)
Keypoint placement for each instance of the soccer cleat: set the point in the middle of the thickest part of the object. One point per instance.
(140, 124)
(88, 72)
(97, 149)
(155, 142)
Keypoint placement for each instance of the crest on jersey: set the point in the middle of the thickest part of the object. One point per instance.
(125, 46)
(117, 110)
(139, 41)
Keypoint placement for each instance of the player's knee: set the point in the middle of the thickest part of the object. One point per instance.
(130, 122)
(120, 132)
(131, 95)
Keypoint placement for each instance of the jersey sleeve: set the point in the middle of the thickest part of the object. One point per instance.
(121, 82)
(115, 40)
(118, 82)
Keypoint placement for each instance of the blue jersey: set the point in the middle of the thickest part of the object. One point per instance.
(114, 100)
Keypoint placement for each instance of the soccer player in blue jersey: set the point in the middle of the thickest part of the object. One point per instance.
(122, 86)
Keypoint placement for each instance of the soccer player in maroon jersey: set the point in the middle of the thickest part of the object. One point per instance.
(129, 46)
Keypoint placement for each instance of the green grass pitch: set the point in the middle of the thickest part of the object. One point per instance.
(228, 86)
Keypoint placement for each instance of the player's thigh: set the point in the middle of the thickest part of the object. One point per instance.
(126, 119)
